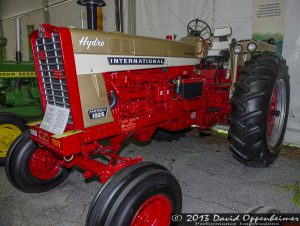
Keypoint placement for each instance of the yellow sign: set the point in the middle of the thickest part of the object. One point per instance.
(17, 74)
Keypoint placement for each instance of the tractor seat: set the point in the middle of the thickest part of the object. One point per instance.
(221, 41)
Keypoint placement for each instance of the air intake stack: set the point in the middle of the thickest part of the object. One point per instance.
(91, 9)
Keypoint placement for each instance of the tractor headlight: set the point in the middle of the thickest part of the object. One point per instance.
(238, 49)
(252, 47)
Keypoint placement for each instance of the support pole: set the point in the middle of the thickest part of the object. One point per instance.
(18, 32)
(119, 15)
(46, 15)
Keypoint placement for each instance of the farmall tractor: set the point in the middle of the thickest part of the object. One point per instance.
(114, 86)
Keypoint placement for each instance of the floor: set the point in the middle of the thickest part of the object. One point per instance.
(211, 181)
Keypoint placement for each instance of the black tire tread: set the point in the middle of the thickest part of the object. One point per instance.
(8, 166)
(110, 204)
(113, 186)
(250, 104)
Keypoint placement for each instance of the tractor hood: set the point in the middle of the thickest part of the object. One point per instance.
(117, 43)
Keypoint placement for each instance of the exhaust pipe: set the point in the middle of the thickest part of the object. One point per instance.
(18, 32)
(91, 8)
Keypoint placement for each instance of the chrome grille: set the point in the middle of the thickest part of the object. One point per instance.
(49, 55)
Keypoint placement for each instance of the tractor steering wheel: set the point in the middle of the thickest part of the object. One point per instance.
(200, 28)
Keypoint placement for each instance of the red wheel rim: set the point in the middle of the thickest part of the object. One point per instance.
(155, 211)
(273, 107)
(44, 165)
(277, 113)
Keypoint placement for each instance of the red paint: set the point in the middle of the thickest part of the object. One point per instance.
(155, 211)
(42, 55)
(272, 108)
(57, 74)
(103, 171)
(146, 100)
(169, 37)
(44, 165)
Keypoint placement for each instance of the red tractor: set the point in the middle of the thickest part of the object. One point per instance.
(108, 87)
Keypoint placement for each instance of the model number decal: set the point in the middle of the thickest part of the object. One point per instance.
(97, 113)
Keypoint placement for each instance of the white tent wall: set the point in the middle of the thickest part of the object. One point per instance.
(11, 8)
(109, 19)
(68, 13)
(71, 14)
(291, 52)
(158, 18)
(9, 31)
(237, 14)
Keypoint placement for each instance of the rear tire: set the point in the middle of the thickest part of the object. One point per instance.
(260, 106)
(32, 169)
(142, 189)
(11, 126)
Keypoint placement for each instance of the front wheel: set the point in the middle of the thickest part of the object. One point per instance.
(141, 194)
(33, 169)
(260, 107)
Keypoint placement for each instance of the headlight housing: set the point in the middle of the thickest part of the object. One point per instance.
(238, 49)
(252, 47)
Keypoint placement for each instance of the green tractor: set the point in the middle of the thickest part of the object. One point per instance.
(19, 98)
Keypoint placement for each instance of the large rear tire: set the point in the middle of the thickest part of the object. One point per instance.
(260, 106)
(11, 126)
(33, 169)
(138, 194)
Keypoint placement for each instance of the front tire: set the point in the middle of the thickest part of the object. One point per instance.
(260, 106)
(11, 126)
(142, 194)
(8, 170)
(33, 169)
